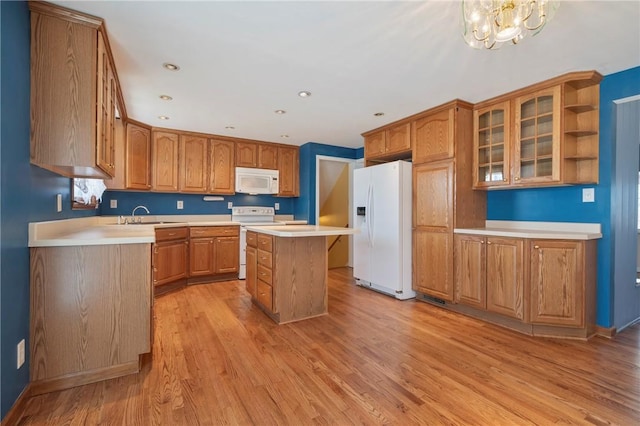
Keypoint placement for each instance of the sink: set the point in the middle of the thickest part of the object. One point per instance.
(143, 223)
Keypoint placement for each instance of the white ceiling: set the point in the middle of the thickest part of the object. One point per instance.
(242, 60)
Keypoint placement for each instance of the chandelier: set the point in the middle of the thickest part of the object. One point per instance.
(489, 23)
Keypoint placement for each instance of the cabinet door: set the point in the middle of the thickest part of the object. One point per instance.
(227, 253)
(537, 137)
(193, 169)
(505, 276)
(165, 162)
(433, 195)
(398, 139)
(201, 257)
(375, 144)
(491, 143)
(251, 279)
(223, 171)
(288, 165)
(246, 154)
(137, 157)
(433, 264)
(169, 262)
(433, 137)
(268, 156)
(557, 283)
(470, 267)
(105, 149)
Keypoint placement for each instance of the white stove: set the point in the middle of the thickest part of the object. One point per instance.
(254, 216)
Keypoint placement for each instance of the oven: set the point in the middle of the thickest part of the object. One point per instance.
(254, 216)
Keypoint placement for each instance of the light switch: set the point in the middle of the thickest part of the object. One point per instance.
(229, 205)
(180, 205)
(588, 195)
(113, 204)
(276, 206)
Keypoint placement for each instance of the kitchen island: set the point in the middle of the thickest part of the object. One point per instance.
(287, 269)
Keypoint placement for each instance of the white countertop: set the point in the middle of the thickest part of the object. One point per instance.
(293, 231)
(539, 230)
(104, 230)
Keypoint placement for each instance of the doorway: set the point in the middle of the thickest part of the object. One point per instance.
(334, 193)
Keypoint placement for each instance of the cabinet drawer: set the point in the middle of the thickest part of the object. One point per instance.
(265, 242)
(264, 258)
(214, 231)
(252, 239)
(265, 297)
(264, 274)
(169, 234)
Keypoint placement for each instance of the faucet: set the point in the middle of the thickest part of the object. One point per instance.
(133, 213)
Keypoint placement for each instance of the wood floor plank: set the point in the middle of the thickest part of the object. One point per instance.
(218, 359)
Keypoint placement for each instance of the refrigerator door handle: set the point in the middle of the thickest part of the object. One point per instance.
(371, 217)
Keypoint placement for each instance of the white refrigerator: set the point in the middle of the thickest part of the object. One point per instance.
(382, 213)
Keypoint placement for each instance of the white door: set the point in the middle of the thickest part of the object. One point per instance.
(361, 244)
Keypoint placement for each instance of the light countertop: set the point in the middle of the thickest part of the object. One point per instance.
(536, 230)
(294, 231)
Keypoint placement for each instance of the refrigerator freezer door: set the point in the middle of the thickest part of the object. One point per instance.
(361, 246)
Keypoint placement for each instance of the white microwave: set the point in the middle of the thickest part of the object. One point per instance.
(257, 181)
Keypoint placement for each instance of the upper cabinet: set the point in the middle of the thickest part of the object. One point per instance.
(246, 154)
(193, 169)
(74, 93)
(545, 134)
(388, 144)
(137, 157)
(433, 136)
(223, 172)
(267, 156)
(289, 165)
(164, 161)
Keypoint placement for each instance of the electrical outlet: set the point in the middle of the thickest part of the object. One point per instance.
(20, 351)
(277, 206)
(588, 195)
(113, 204)
(59, 203)
(229, 205)
(180, 205)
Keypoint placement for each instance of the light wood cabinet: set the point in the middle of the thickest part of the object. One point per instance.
(118, 181)
(246, 154)
(389, 144)
(434, 136)
(433, 263)
(289, 165)
(490, 274)
(222, 175)
(251, 279)
(563, 283)
(541, 135)
(164, 161)
(194, 164)
(214, 250)
(267, 156)
(138, 157)
(74, 93)
(170, 259)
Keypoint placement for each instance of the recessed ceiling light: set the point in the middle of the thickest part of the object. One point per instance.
(230, 128)
(163, 117)
(166, 97)
(280, 111)
(304, 94)
(171, 67)
(284, 136)
(379, 114)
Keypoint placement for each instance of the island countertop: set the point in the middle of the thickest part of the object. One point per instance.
(296, 231)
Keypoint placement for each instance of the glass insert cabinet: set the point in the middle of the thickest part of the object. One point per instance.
(545, 134)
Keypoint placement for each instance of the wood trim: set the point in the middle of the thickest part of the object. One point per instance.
(138, 123)
(83, 378)
(66, 14)
(608, 332)
(16, 411)
(219, 137)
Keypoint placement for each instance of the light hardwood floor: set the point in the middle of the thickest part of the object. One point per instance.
(219, 360)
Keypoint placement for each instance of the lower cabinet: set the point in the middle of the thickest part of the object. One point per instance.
(433, 263)
(546, 286)
(170, 259)
(214, 252)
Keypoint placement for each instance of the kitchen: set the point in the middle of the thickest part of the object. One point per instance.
(307, 153)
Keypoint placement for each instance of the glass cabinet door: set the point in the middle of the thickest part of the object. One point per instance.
(537, 141)
(491, 142)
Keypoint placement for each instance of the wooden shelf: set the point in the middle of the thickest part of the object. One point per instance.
(580, 133)
(491, 164)
(579, 108)
(581, 157)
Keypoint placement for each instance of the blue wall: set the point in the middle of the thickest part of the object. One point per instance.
(565, 204)
(27, 195)
(165, 204)
(305, 205)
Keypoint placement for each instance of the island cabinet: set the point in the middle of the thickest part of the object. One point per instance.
(213, 253)
(443, 198)
(490, 274)
(388, 144)
(251, 280)
(90, 313)
(170, 259)
(74, 93)
(545, 134)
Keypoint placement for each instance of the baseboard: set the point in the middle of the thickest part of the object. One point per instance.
(608, 332)
(15, 413)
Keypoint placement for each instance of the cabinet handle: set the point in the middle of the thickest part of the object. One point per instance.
(516, 178)
(171, 234)
(504, 180)
(481, 242)
(536, 247)
(488, 243)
